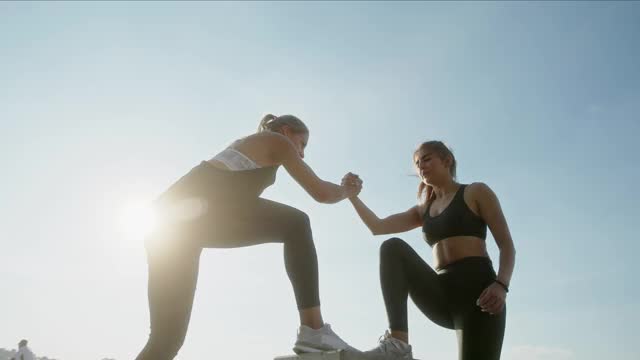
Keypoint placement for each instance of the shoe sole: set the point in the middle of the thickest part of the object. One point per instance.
(379, 356)
(301, 348)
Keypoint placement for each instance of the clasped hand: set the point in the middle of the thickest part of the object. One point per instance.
(352, 183)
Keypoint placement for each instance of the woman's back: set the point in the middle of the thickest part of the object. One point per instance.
(250, 152)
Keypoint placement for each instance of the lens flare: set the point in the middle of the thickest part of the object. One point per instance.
(137, 220)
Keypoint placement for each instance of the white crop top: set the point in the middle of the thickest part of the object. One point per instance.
(235, 160)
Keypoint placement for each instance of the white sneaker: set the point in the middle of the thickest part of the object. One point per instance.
(391, 348)
(323, 339)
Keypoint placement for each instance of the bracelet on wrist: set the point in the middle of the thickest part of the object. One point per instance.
(504, 286)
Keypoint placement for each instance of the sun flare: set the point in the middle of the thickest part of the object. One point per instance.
(137, 220)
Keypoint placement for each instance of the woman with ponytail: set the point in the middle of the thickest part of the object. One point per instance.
(218, 205)
(463, 292)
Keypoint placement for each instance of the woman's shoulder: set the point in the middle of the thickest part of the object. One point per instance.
(257, 140)
(266, 148)
(477, 192)
(263, 138)
(477, 188)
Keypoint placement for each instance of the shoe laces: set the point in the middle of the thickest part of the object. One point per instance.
(384, 340)
(384, 337)
(388, 343)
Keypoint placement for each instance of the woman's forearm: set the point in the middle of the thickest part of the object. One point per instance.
(507, 263)
(369, 218)
(332, 193)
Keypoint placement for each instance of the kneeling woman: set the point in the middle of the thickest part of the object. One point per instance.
(463, 292)
(218, 205)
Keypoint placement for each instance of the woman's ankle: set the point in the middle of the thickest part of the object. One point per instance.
(400, 335)
(311, 317)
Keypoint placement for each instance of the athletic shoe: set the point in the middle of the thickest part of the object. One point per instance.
(390, 348)
(320, 340)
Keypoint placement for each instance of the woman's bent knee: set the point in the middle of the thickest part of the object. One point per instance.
(392, 246)
(299, 226)
(301, 219)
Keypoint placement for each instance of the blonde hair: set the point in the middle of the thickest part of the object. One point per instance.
(443, 152)
(271, 122)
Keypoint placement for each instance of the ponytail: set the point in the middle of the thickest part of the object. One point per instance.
(271, 122)
(264, 123)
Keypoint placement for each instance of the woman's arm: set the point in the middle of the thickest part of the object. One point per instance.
(283, 152)
(392, 224)
(491, 213)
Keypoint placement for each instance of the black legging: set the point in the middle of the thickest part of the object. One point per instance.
(447, 297)
(173, 259)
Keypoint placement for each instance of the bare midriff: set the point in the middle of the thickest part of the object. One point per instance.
(452, 249)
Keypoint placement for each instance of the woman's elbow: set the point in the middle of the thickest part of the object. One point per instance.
(376, 230)
(319, 198)
(509, 250)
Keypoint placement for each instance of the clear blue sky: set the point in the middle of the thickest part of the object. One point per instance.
(102, 104)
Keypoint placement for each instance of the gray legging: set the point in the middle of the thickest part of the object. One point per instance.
(231, 221)
(446, 297)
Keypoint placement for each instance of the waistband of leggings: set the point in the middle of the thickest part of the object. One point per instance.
(473, 263)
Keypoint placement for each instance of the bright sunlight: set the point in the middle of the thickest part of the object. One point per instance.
(137, 220)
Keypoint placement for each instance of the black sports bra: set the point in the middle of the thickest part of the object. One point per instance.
(455, 220)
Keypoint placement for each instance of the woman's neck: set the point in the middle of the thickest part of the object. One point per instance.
(445, 189)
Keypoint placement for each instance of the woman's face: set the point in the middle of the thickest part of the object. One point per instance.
(430, 167)
(299, 140)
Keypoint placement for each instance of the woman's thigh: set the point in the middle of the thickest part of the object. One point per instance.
(425, 287)
(480, 335)
(250, 223)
